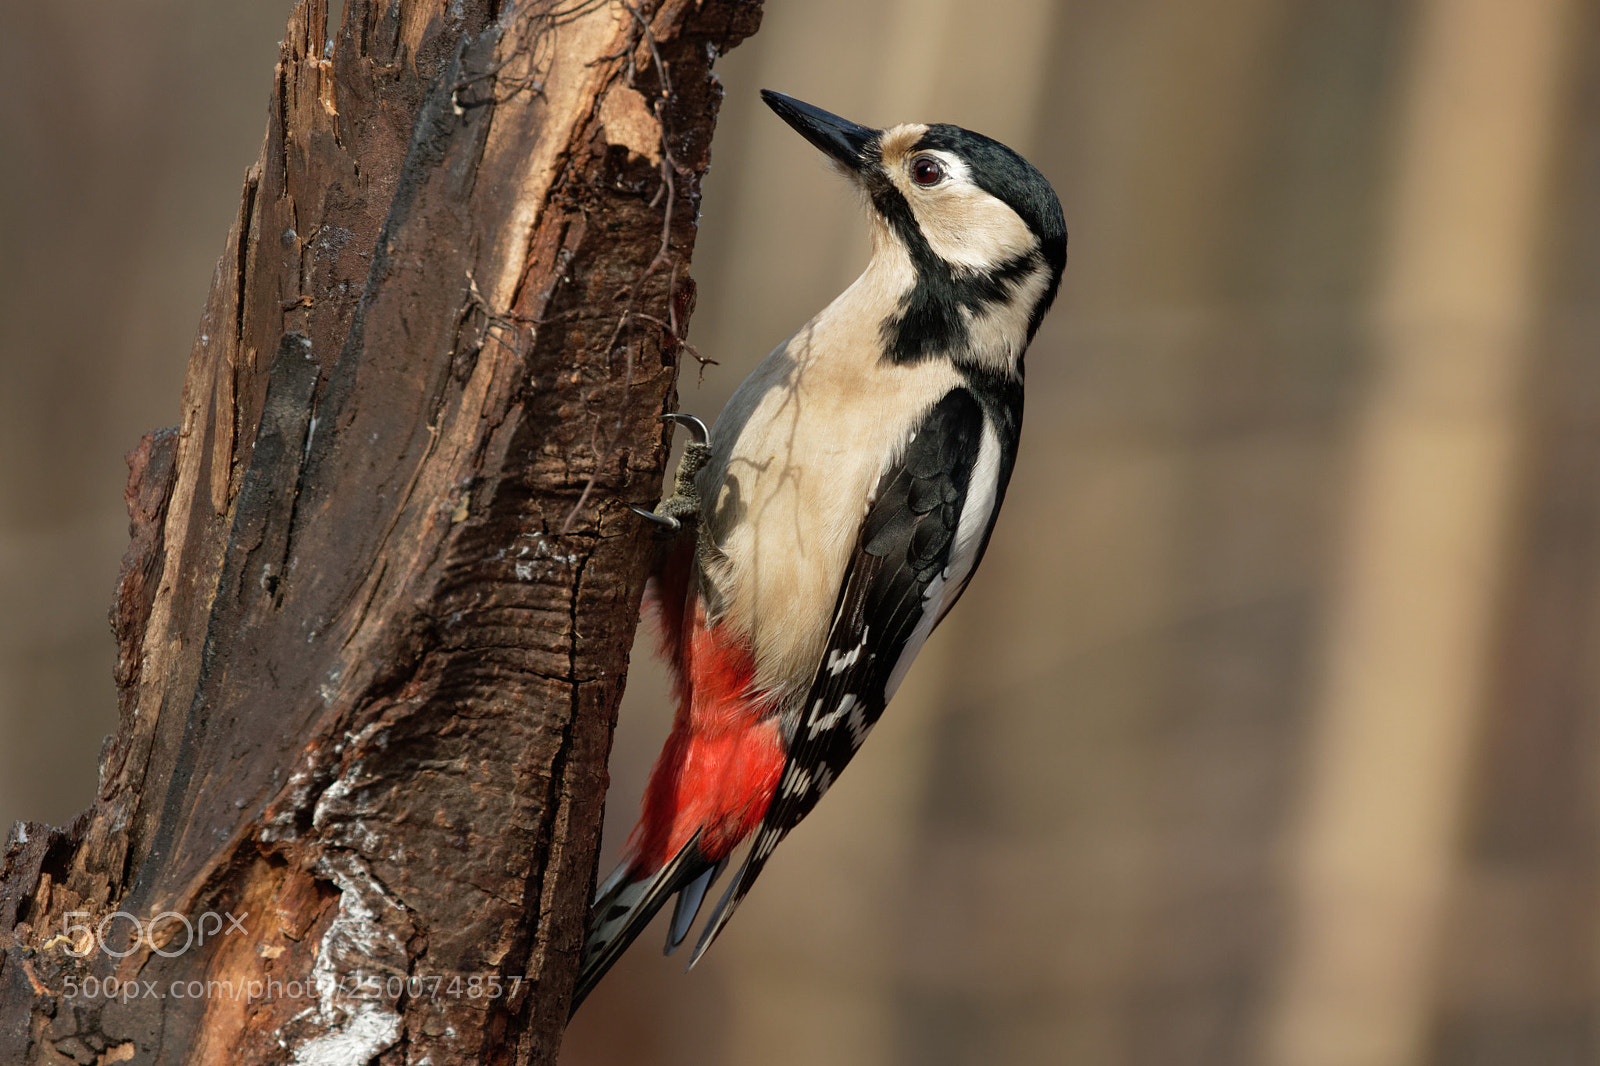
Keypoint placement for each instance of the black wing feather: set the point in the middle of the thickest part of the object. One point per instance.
(904, 544)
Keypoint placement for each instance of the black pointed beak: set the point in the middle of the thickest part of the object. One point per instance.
(843, 140)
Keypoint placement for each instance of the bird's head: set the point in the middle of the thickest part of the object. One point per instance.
(981, 226)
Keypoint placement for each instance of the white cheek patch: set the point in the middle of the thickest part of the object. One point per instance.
(963, 225)
(966, 227)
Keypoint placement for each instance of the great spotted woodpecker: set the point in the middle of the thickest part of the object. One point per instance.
(837, 511)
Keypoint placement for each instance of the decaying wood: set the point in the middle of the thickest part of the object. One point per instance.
(376, 614)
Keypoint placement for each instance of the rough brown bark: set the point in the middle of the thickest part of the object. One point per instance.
(376, 614)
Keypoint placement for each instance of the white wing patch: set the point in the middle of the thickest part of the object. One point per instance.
(858, 724)
(815, 725)
(839, 662)
(796, 779)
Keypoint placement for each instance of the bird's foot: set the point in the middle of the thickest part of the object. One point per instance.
(684, 503)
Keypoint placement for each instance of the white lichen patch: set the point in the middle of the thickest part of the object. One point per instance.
(342, 809)
(281, 826)
(538, 561)
(355, 1026)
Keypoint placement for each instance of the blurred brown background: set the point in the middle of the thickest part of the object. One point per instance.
(1270, 733)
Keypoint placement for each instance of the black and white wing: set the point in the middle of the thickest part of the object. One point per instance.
(925, 531)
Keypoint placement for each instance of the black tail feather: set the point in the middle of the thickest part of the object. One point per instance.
(625, 907)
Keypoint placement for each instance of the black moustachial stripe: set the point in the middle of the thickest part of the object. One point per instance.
(929, 322)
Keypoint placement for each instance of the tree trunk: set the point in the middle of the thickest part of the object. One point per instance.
(375, 619)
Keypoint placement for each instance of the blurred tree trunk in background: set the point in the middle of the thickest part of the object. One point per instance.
(376, 615)
(1405, 685)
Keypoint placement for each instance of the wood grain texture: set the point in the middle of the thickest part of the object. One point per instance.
(376, 614)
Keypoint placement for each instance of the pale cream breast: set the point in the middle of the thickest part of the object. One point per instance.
(795, 457)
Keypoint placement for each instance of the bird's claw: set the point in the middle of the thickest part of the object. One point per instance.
(697, 429)
(665, 521)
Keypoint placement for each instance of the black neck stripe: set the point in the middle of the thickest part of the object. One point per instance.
(929, 321)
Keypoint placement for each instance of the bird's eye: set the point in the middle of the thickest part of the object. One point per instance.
(925, 170)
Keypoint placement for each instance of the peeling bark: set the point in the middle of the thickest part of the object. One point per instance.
(375, 617)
